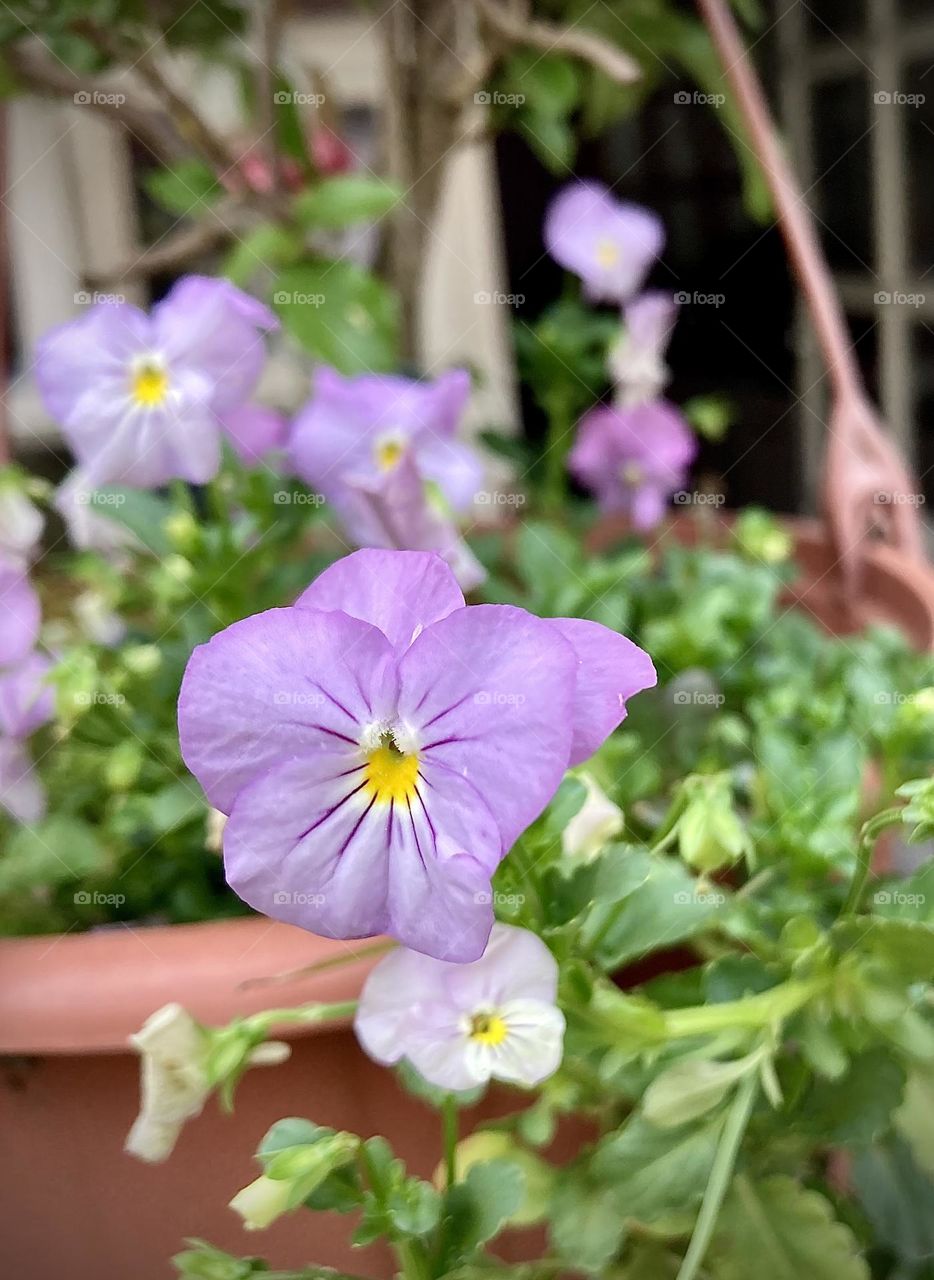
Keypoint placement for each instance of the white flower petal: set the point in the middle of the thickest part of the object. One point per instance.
(532, 1049)
(262, 1202)
(596, 823)
(174, 1083)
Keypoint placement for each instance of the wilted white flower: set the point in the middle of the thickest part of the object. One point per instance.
(262, 1202)
(596, 822)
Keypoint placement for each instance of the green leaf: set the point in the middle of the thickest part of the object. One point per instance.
(643, 903)
(775, 1229)
(143, 513)
(477, 1208)
(267, 247)
(896, 1197)
(341, 314)
(335, 203)
(652, 1171)
(60, 850)
(688, 1090)
(914, 1119)
(904, 946)
(587, 1227)
(857, 1108)
(185, 188)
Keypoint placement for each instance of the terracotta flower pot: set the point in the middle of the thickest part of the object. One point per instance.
(69, 1089)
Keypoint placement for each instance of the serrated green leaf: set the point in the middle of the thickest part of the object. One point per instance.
(587, 1227)
(144, 514)
(477, 1208)
(776, 1229)
(857, 1108)
(185, 189)
(690, 1089)
(655, 1171)
(914, 1119)
(904, 946)
(896, 1196)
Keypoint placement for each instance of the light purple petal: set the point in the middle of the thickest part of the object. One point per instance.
(21, 791)
(608, 243)
(20, 613)
(610, 669)
(636, 362)
(26, 698)
(94, 349)
(254, 431)
(488, 692)
(281, 684)
(401, 592)
(647, 506)
(455, 468)
(395, 510)
(209, 326)
(309, 843)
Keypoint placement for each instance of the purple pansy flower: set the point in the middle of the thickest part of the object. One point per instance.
(26, 702)
(636, 361)
(254, 431)
(382, 450)
(138, 396)
(462, 1025)
(20, 613)
(633, 458)
(358, 428)
(379, 746)
(609, 243)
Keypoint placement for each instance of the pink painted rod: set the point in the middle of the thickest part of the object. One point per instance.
(796, 223)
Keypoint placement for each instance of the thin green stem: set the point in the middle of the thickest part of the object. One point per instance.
(449, 1129)
(867, 843)
(759, 1010)
(309, 1014)
(413, 1260)
(721, 1174)
(557, 444)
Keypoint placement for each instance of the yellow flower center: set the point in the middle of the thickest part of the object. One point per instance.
(388, 451)
(487, 1028)
(390, 775)
(607, 253)
(150, 385)
(632, 473)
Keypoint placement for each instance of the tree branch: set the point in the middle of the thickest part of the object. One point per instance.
(550, 38)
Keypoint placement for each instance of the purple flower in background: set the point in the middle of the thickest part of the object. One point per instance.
(358, 428)
(254, 431)
(20, 613)
(636, 361)
(395, 510)
(608, 243)
(139, 397)
(633, 458)
(379, 746)
(369, 444)
(26, 702)
(462, 1025)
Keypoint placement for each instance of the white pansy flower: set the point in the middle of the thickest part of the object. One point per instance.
(461, 1025)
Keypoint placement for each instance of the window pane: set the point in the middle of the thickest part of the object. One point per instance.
(842, 193)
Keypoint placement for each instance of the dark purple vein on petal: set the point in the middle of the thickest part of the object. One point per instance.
(344, 847)
(333, 809)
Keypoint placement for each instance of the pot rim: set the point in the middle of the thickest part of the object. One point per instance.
(88, 992)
